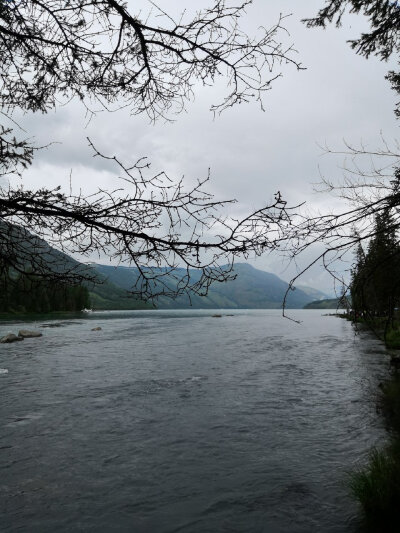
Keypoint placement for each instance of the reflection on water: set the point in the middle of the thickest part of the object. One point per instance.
(181, 421)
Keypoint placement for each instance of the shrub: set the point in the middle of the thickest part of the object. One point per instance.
(377, 488)
(389, 402)
(392, 339)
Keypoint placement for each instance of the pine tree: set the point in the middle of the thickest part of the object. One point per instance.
(358, 283)
(375, 287)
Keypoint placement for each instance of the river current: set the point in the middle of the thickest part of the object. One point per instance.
(184, 422)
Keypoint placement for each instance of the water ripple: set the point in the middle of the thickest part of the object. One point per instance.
(172, 422)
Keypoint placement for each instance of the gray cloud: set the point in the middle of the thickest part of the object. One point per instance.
(251, 154)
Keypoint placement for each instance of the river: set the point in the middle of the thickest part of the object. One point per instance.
(178, 421)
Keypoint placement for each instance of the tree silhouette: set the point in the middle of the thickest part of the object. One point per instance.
(101, 52)
(369, 190)
(374, 287)
(383, 38)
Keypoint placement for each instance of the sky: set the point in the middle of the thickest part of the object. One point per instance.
(251, 154)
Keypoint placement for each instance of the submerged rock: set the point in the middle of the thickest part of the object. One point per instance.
(216, 316)
(96, 329)
(27, 333)
(10, 338)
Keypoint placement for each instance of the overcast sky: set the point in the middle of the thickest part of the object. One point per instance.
(251, 153)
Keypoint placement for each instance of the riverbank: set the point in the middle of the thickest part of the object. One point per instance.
(389, 334)
(376, 486)
(33, 317)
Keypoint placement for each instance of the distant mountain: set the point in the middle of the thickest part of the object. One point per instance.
(33, 254)
(30, 253)
(328, 303)
(252, 289)
(107, 296)
(315, 294)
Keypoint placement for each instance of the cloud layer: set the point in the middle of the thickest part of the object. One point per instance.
(251, 153)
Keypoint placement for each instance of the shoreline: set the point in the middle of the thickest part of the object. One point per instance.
(376, 484)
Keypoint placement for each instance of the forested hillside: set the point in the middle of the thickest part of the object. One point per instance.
(252, 289)
(28, 294)
(45, 279)
(328, 303)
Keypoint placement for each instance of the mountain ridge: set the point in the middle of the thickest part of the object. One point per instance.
(252, 288)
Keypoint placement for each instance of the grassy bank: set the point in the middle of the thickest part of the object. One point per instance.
(377, 488)
(377, 485)
(387, 331)
(392, 339)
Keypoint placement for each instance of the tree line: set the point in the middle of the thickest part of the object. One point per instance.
(375, 283)
(27, 293)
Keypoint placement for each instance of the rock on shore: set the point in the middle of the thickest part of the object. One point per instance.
(27, 333)
(10, 338)
(22, 334)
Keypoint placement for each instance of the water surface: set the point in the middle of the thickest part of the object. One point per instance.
(184, 422)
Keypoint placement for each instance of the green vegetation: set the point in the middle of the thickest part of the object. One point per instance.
(327, 303)
(389, 402)
(252, 289)
(26, 293)
(54, 282)
(375, 284)
(107, 296)
(392, 338)
(375, 298)
(377, 485)
(377, 488)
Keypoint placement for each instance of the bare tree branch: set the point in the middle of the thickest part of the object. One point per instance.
(101, 50)
(152, 222)
(370, 186)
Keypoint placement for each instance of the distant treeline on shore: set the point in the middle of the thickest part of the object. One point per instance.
(26, 293)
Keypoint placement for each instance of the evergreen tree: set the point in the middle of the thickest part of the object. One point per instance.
(358, 283)
(375, 287)
(381, 39)
(28, 293)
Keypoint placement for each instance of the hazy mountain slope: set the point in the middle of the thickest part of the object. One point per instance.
(35, 255)
(106, 295)
(315, 294)
(252, 288)
(328, 303)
